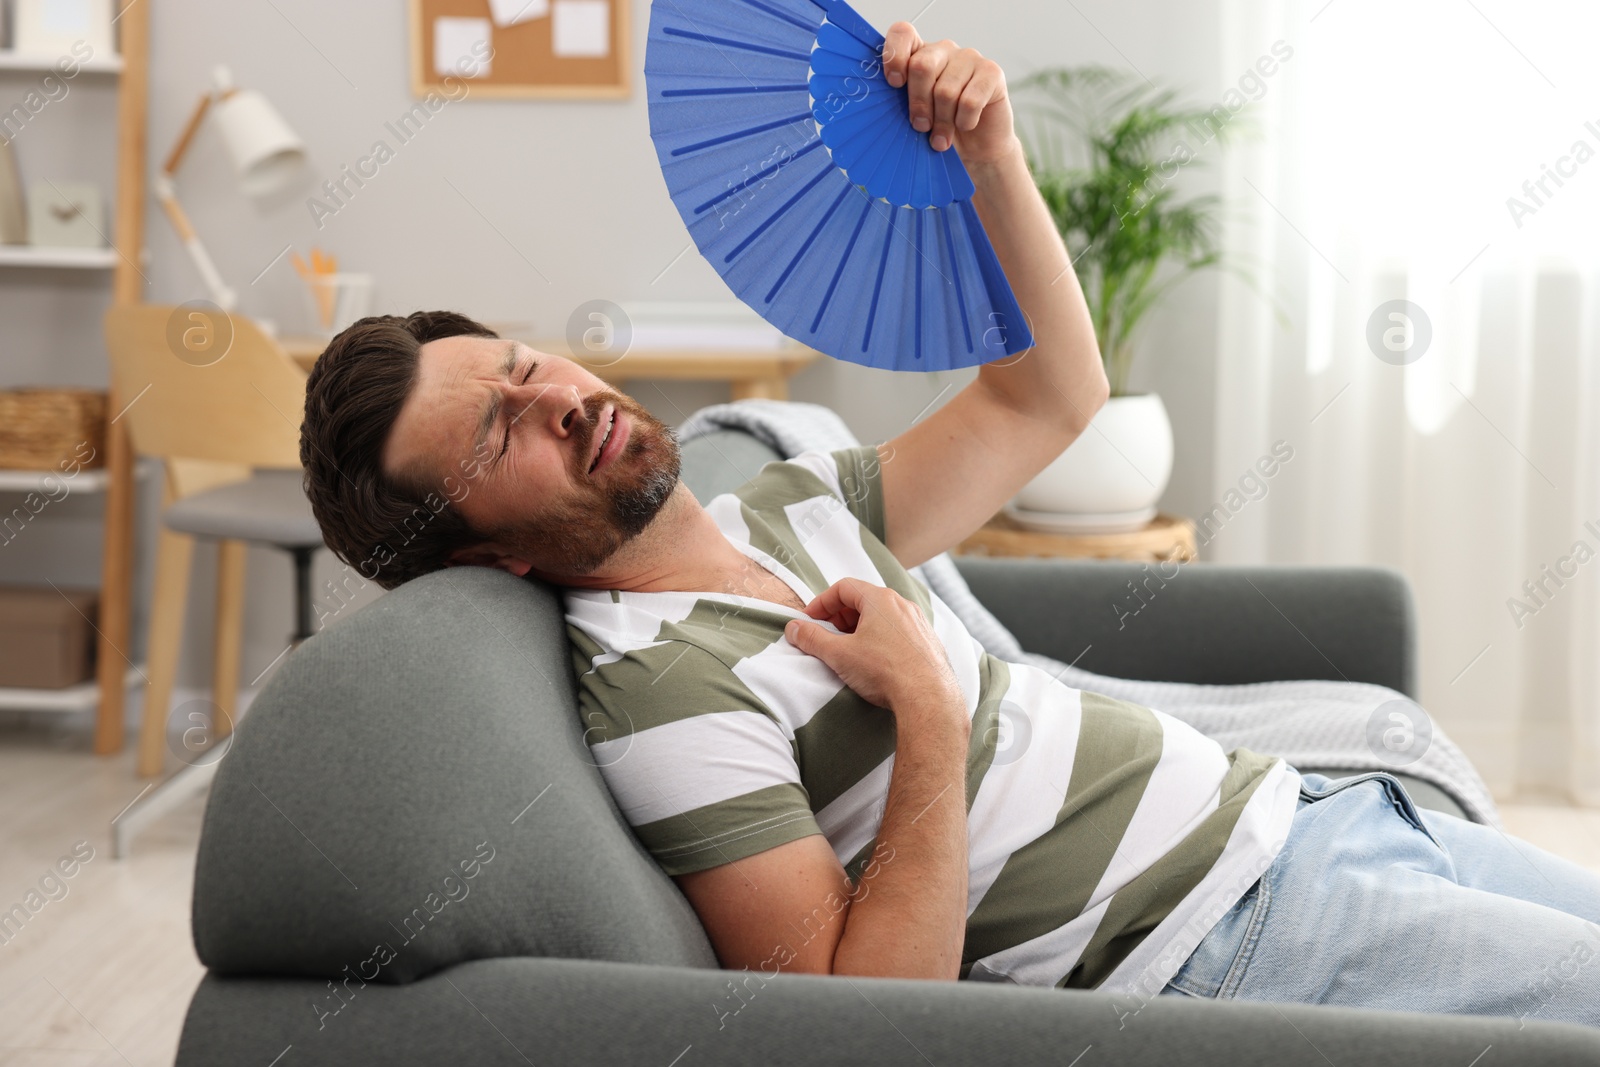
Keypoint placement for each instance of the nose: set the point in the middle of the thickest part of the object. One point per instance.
(560, 407)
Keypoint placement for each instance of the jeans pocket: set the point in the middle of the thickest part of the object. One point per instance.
(1407, 807)
(1320, 786)
(1217, 964)
(1399, 799)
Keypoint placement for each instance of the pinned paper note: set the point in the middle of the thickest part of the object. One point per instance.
(511, 12)
(461, 46)
(581, 28)
(566, 49)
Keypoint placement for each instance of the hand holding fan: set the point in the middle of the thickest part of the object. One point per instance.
(795, 166)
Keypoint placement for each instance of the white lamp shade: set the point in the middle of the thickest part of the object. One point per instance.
(265, 150)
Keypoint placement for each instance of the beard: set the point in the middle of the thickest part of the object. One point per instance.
(612, 506)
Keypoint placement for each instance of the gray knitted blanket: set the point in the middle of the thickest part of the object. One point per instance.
(1312, 723)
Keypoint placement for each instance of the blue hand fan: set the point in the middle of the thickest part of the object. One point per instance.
(794, 164)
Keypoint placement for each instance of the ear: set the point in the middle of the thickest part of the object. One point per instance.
(490, 554)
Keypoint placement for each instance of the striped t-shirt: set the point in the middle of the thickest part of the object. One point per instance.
(1105, 838)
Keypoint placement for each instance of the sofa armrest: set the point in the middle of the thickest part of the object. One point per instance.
(525, 1010)
(1206, 622)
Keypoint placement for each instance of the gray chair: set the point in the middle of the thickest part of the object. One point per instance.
(408, 857)
(269, 507)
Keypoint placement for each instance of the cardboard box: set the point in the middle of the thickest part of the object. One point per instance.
(46, 640)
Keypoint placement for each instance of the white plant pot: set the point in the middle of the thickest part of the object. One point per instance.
(1110, 478)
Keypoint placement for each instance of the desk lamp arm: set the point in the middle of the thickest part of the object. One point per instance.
(166, 195)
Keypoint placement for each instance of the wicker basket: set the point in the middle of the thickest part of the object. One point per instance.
(52, 429)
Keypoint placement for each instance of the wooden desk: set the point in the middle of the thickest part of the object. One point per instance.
(750, 373)
(1167, 537)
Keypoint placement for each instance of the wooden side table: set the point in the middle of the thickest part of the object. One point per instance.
(762, 373)
(1167, 537)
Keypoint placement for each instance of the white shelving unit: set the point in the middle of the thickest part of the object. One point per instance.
(126, 69)
(14, 60)
(27, 255)
(71, 258)
(84, 695)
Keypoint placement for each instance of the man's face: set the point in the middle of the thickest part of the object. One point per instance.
(521, 433)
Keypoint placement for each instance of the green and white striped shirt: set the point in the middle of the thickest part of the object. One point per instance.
(1105, 838)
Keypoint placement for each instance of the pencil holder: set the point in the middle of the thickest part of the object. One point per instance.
(337, 300)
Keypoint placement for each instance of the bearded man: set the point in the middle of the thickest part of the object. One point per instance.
(804, 736)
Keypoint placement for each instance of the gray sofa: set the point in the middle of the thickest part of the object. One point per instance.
(408, 858)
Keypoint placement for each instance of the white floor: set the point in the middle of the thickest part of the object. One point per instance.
(103, 975)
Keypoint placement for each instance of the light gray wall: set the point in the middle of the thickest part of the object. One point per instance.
(510, 211)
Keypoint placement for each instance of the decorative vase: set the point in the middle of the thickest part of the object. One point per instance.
(1109, 479)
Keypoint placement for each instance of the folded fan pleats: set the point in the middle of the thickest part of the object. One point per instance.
(795, 166)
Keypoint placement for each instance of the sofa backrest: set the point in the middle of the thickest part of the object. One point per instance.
(412, 790)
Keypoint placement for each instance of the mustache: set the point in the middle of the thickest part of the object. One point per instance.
(594, 405)
(643, 425)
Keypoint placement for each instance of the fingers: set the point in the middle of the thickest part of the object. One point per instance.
(839, 604)
(947, 87)
(845, 623)
(824, 604)
(844, 620)
(846, 593)
(812, 639)
(924, 69)
(986, 85)
(872, 658)
(955, 81)
(898, 44)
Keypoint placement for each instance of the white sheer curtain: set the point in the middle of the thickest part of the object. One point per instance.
(1389, 148)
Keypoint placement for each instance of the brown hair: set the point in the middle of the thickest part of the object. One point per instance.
(389, 529)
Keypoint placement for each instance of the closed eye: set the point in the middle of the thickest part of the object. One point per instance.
(505, 445)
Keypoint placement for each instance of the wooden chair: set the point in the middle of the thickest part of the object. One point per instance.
(217, 401)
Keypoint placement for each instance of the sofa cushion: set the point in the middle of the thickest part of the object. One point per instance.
(412, 790)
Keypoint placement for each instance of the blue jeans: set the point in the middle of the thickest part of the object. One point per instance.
(1374, 903)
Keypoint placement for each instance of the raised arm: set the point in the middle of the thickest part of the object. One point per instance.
(945, 476)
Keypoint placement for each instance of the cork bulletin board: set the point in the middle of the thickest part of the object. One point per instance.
(568, 49)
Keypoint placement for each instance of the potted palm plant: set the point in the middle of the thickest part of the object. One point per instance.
(1104, 150)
